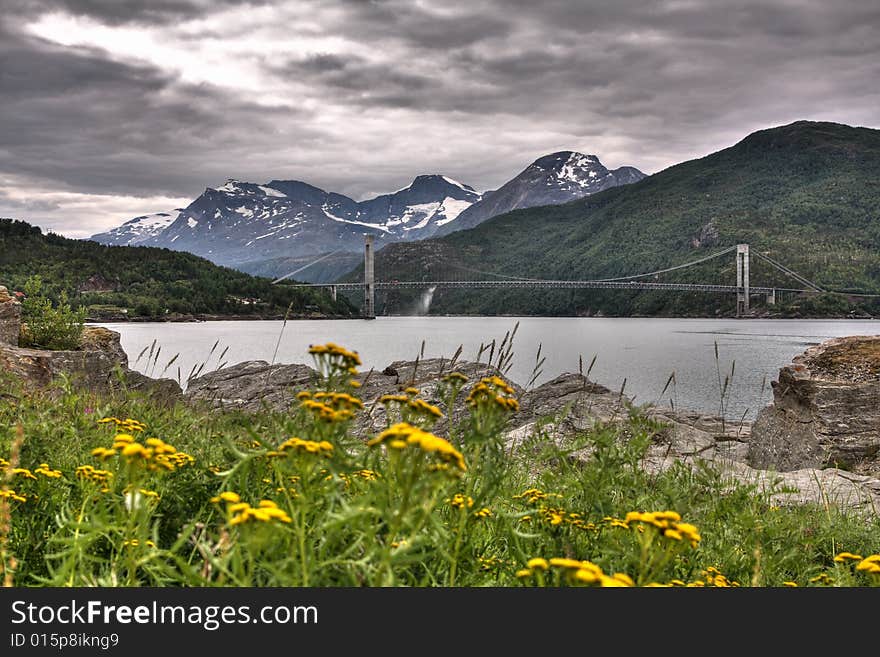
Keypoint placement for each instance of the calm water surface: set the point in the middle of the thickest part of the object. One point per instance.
(643, 352)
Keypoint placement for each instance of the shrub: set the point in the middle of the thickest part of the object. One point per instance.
(46, 326)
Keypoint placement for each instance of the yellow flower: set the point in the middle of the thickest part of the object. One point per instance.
(136, 450)
(848, 556)
(24, 472)
(425, 407)
(347, 358)
(586, 576)
(48, 472)
(460, 501)
(485, 512)
(673, 534)
(870, 564)
(411, 391)
(226, 496)
(384, 399)
(524, 572)
(537, 564)
(561, 562)
(305, 394)
(790, 584)
(12, 495)
(624, 578)
(354, 384)
(415, 437)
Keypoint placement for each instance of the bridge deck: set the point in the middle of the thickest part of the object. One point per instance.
(538, 284)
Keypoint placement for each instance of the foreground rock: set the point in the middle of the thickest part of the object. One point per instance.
(825, 411)
(257, 385)
(10, 318)
(691, 439)
(556, 411)
(100, 365)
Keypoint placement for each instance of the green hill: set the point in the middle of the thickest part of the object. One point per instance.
(806, 194)
(143, 281)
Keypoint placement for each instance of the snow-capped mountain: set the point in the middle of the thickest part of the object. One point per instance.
(240, 222)
(550, 180)
(137, 230)
(266, 228)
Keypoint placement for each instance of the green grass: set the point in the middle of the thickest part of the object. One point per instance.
(382, 514)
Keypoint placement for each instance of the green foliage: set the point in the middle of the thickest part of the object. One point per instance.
(806, 194)
(238, 502)
(146, 282)
(48, 326)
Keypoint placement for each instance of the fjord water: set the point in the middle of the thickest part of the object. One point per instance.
(643, 352)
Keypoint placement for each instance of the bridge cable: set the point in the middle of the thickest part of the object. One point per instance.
(314, 262)
(668, 269)
(793, 274)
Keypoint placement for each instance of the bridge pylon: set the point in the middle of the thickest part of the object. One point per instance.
(369, 310)
(742, 280)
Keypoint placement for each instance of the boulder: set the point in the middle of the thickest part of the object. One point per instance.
(100, 365)
(254, 385)
(10, 318)
(825, 410)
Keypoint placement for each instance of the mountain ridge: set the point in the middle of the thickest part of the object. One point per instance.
(261, 227)
(807, 193)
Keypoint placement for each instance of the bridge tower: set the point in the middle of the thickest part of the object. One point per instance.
(742, 279)
(369, 279)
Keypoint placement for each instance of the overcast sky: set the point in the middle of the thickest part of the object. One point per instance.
(114, 108)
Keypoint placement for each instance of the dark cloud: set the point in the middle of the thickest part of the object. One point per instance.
(358, 96)
(119, 12)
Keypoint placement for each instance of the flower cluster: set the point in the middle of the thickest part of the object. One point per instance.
(869, 564)
(339, 400)
(335, 358)
(574, 571)
(534, 495)
(153, 454)
(460, 501)
(48, 472)
(136, 543)
(409, 399)
(668, 523)
(403, 435)
(239, 512)
(89, 473)
(127, 425)
(292, 445)
(714, 577)
(327, 413)
(10, 494)
(493, 390)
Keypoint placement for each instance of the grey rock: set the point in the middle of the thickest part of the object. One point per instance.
(255, 385)
(251, 386)
(825, 410)
(10, 321)
(100, 366)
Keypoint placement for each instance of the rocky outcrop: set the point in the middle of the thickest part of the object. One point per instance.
(255, 385)
(100, 365)
(825, 410)
(555, 411)
(569, 404)
(10, 318)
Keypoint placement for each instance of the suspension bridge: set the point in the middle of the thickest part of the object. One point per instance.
(742, 288)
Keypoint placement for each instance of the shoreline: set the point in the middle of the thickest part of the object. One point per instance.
(195, 319)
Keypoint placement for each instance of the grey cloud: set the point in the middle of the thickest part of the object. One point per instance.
(474, 90)
(118, 12)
